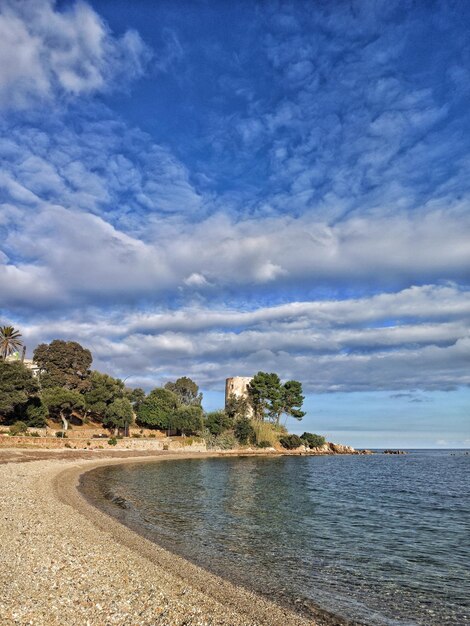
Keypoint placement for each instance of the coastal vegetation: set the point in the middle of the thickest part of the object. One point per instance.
(313, 441)
(309, 440)
(270, 399)
(64, 389)
(290, 442)
(219, 421)
(17, 386)
(186, 390)
(244, 431)
(62, 403)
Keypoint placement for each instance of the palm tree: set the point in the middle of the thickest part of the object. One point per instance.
(10, 340)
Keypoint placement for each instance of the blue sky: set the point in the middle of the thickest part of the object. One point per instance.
(213, 188)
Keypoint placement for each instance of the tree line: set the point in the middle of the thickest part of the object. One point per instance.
(66, 388)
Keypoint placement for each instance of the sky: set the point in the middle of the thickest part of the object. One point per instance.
(216, 188)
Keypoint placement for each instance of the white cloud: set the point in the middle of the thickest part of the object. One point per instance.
(46, 51)
(93, 167)
(85, 255)
(196, 280)
(333, 345)
(27, 285)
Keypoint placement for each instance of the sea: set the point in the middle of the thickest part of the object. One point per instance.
(378, 540)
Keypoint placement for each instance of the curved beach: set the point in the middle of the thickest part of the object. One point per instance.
(65, 562)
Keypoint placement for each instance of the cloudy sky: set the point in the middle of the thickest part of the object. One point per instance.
(214, 188)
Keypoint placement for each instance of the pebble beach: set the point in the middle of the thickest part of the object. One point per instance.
(65, 562)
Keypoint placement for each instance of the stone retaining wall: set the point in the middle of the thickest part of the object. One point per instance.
(93, 444)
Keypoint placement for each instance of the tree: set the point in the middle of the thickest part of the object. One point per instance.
(17, 388)
(186, 390)
(64, 364)
(62, 403)
(103, 391)
(270, 399)
(136, 397)
(188, 420)
(218, 422)
(292, 400)
(35, 413)
(118, 415)
(244, 431)
(10, 340)
(158, 409)
(237, 406)
(265, 395)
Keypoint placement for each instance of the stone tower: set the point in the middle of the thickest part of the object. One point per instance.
(238, 387)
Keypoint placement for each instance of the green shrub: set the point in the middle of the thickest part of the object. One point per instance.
(291, 442)
(264, 444)
(34, 434)
(61, 434)
(218, 422)
(112, 441)
(136, 435)
(18, 429)
(152, 435)
(313, 441)
(188, 420)
(68, 445)
(244, 431)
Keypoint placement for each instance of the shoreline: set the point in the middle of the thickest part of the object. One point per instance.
(312, 613)
(107, 557)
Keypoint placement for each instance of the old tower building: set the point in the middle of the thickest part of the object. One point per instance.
(238, 387)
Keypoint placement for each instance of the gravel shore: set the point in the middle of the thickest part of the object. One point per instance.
(64, 562)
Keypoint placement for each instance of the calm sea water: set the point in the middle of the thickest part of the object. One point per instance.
(381, 539)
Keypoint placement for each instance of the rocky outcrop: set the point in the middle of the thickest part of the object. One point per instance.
(394, 452)
(336, 448)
